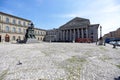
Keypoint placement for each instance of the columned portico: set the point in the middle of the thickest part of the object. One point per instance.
(73, 34)
(78, 29)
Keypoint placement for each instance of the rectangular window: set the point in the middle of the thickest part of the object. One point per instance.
(19, 30)
(19, 22)
(14, 29)
(24, 30)
(14, 21)
(24, 24)
(28, 24)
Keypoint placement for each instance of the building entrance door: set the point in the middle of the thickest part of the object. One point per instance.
(0, 38)
(7, 38)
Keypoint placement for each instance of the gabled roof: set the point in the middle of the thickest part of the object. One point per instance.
(77, 21)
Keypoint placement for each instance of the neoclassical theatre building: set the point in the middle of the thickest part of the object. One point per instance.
(76, 30)
(13, 27)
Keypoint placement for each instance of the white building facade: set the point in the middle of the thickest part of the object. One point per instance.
(13, 27)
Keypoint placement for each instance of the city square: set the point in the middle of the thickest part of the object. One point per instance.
(59, 61)
(60, 40)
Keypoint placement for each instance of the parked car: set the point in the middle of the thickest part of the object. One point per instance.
(117, 43)
(112, 42)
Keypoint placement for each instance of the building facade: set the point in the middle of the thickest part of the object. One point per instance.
(78, 29)
(13, 27)
(113, 34)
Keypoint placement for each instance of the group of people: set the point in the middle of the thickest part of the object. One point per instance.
(17, 40)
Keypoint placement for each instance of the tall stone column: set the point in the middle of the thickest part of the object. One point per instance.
(66, 34)
(74, 35)
(78, 33)
(70, 35)
(82, 33)
(63, 35)
(86, 33)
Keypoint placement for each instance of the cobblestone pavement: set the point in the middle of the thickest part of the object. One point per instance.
(59, 61)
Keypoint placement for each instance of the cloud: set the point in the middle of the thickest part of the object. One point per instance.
(98, 11)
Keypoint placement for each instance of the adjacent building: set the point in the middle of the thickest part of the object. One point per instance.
(13, 27)
(77, 29)
(113, 34)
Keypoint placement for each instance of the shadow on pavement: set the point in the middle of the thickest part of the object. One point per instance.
(117, 78)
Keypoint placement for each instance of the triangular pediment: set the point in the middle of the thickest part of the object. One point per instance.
(77, 21)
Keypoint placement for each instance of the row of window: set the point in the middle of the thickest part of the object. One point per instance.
(14, 21)
(14, 29)
(38, 32)
(7, 29)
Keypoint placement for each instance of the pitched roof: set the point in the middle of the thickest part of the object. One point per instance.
(77, 21)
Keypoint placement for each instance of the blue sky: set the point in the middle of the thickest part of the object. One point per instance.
(49, 14)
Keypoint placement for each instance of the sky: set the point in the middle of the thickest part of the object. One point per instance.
(49, 14)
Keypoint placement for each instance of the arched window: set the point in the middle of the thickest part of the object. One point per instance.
(7, 29)
(14, 29)
(7, 20)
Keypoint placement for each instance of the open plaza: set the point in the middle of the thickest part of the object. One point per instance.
(59, 61)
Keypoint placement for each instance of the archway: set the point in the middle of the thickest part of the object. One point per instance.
(7, 38)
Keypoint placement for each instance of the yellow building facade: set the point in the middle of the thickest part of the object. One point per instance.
(13, 27)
